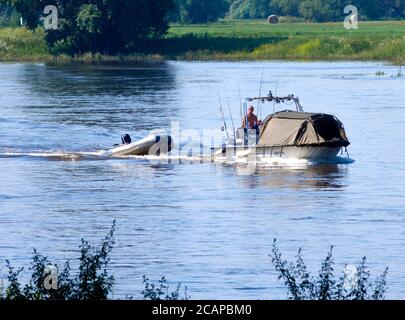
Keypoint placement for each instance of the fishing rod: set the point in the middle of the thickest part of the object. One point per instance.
(223, 117)
(274, 104)
(229, 109)
(240, 101)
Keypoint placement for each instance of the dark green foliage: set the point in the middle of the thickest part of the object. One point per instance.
(326, 281)
(99, 26)
(161, 291)
(323, 10)
(381, 9)
(8, 15)
(312, 10)
(287, 7)
(250, 9)
(320, 10)
(13, 291)
(187, 43)
(200, 11)
(92, 281)
(29, 10)
(90, 19)
(301, 285)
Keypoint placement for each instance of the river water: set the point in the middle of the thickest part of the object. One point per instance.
(209, 226)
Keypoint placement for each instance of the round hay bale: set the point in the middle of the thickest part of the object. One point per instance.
(273, 19)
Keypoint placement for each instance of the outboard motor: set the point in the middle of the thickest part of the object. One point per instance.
(126, 139)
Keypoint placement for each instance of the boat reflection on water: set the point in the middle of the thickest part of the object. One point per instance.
(100, 96)
(316, 177)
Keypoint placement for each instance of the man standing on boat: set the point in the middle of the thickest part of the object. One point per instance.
(253, 121)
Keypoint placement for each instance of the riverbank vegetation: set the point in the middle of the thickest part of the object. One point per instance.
(258, 40)
(105, 27)
(93, 30)
(235, 40)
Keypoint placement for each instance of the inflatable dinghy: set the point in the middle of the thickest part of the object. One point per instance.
(151, 145)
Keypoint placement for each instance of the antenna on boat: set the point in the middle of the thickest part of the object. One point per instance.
(229, 108)
(225, 127)
(260, 93)
(274, 103)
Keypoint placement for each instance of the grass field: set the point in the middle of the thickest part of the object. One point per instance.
(240, 40)
(260, 28)
(296, 41)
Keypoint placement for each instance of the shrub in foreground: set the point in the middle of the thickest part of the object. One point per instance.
(91, 282)
(353, 284)
(162, 291)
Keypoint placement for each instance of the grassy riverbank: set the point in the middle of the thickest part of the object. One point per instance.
(240, 40)
(20, 44)
(383, 41)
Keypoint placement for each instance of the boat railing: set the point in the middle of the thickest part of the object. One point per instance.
(278, 100)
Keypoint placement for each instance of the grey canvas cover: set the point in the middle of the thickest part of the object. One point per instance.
(290, 128)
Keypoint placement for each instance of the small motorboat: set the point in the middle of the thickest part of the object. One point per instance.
(286, 134)
(151, 145)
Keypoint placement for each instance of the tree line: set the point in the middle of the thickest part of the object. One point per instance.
(124, 26)
(201, 11)
(99, 26)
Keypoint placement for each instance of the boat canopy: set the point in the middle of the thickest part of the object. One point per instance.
(290, 128)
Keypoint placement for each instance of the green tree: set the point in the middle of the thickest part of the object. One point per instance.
(8, 15)
(369, 9)
(200, 11)
(377, 9)
(250, 9)
(90, 19)
(323, 10)
(30, 10)
(394, 8)
(287, 7)
(99, 26)
(332, 10)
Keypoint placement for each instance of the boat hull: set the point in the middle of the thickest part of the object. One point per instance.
(311, 153)
(307, 152)
(151, 145)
